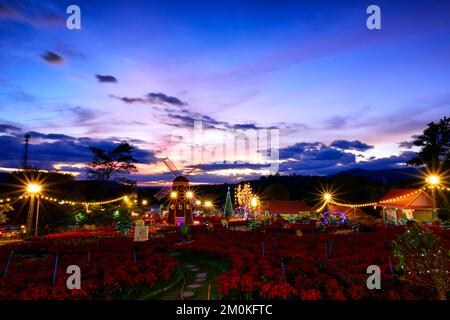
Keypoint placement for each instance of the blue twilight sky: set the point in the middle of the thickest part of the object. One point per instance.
(341, 95)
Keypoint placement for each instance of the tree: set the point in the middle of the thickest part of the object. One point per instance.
(245, 197)
(435, 145)
(423, 259)
(4, 208)
(275, 192)
(228, 205)
(108, 165)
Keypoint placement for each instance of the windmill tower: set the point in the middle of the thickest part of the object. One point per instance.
(180, 197)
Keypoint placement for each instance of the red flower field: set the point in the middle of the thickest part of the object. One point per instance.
(263, 265)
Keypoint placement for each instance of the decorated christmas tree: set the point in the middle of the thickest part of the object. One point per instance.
(228, 205)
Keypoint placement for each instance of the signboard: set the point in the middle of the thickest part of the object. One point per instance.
(140, 233)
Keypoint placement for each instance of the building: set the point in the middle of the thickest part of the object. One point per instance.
(352, 214)
(409, 204)
(286, 207)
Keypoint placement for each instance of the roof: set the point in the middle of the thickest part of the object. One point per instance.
(181, 178)
(406, 198)
(350, 212)
(287, 207)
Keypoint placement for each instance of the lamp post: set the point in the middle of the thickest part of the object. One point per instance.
(327, 198)
(433, 180)
(33, 190)
(208, 206)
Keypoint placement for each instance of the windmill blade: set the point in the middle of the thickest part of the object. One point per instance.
(190, 172)
(172, 167)
(161, 194)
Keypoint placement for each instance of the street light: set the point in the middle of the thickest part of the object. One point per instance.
(208, 204)
(433, 180)
(173, 194)
(189, 194)
(33, 189)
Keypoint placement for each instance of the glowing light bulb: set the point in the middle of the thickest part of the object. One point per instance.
(34, 188)
(327, 196)
(189, 194)
(433, 180)
(173, 194)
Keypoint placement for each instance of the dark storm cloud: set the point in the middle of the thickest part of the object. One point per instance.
(184, 118)
(392, 162)
(129, 100)
(322, 159)
(246, 126)
(48, 149)
(83, 115)
(51, 136)
(36, 14)
(161, 98)
(297, 149)
(153, 98)
(5, 128)
(224, 166)
(313, 164)
(351, 145)
(408, 144)
(105, 78)
(337, 122)
(51, 57)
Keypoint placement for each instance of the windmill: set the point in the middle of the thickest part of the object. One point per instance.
(181, 199)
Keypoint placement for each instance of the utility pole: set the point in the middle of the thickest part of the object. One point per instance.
(25, 153)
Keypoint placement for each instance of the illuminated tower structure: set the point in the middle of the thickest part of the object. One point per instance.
(181, 198)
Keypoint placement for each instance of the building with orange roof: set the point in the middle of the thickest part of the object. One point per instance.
(407, 204)
(352, 213)
(286, 207)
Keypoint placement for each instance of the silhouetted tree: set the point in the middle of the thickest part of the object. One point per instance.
(275, 192)
(108, 165)
(435, 145)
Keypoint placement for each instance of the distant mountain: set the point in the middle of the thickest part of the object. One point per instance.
(385, 176)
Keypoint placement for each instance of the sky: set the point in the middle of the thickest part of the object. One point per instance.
(235, 89)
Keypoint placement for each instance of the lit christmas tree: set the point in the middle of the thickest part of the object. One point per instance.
(228, 205)
(246, 199)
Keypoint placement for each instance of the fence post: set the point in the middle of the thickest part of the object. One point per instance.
(55, 269)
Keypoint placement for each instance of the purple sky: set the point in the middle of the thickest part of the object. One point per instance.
(342, 96)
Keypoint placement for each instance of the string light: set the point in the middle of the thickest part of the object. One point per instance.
(351, 205)
(370, 204)
(198, 202)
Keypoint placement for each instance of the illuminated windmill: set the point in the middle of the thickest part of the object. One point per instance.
(181, 198)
